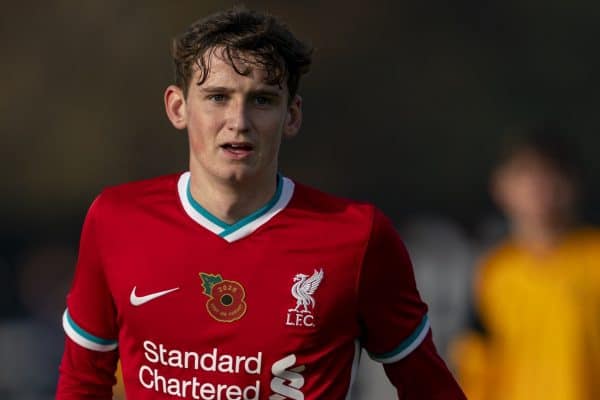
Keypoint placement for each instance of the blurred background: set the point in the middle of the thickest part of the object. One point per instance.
(406, 106)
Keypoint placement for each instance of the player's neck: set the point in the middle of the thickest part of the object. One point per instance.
(540, 238)
(231, 201)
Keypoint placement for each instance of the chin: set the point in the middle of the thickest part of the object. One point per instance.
(238, 175)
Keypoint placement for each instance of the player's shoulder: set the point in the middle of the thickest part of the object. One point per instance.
(585, 237)
(136, 193)
(499, 260)
(503, 252)
(308, 199)
(508, 253)
(495, 267)
(314, 204)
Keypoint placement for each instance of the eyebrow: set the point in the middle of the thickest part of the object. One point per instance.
(215, 89)
(266, 92)
(257, 92)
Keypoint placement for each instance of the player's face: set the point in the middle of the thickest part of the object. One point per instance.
(235, 122)
(531, 191)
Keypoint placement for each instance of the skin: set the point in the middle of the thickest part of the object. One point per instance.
(536, 197)
(232, 109)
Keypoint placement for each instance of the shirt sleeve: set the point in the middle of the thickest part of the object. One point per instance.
(396, 329)
(393, 316)
(89, 321)
(423, 375)
(90, 317)
(86, 374)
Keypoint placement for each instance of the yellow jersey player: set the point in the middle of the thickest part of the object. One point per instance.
(537, 295)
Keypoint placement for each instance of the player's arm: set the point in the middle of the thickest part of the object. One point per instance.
(86, 374)
(396, 329)
(90, 356)
(422, 374)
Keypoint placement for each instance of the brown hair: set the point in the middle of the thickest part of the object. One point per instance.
(253, 38)
(548, 141)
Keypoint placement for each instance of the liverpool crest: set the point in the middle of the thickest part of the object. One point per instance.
(302, 290)
(226, 298)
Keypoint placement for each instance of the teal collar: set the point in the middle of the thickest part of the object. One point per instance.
(246, 225)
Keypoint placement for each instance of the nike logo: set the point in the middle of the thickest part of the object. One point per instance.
(139, 300)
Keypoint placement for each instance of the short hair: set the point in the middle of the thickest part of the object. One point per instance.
(248, 36)
(548, 142)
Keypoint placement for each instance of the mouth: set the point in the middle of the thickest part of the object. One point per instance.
(237, 150)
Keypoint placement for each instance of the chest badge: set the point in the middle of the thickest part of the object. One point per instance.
(302, 290)
(226, 301)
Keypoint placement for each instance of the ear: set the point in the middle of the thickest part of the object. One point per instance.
(293, 120)
(175, 106)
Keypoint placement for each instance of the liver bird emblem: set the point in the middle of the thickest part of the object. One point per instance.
(303, 289)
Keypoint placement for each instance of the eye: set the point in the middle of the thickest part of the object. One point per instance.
(217, 98)
(263, 100)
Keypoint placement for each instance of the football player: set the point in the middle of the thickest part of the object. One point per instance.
(231, 281)
(537, 293)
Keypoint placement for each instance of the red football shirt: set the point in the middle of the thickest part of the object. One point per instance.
(275, 306)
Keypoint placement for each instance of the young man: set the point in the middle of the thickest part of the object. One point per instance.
(537, 293)
(230, 281)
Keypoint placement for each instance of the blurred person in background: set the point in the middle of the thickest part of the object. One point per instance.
(537, 294)
(231, 281)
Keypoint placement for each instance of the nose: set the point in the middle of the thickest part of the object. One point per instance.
(237, 116)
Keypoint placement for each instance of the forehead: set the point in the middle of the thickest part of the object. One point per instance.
(530, 162)
(219, 67)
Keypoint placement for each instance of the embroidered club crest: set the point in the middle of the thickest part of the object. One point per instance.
(226, 298)
(302, 290)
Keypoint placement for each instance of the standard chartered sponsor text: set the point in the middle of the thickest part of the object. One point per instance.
(154, 376)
